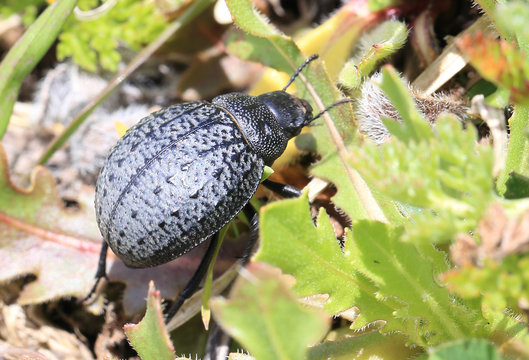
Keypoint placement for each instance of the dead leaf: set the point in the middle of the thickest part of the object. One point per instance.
(40, 236)
(500, 237)
(26, 340)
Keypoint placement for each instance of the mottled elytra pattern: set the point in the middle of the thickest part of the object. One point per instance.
(172, 181)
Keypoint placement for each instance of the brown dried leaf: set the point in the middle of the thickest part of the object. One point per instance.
(500, 237)
(498, 61)
(490, 230)
(464, 250)
(111, 336)
(40, 236)
(516, 235)
(27, 340)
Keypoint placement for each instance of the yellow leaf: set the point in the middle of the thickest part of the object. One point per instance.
(121, 128)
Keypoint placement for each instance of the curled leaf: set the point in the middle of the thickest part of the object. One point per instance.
(149, 337)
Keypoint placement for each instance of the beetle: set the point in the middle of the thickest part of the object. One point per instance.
(182, 173)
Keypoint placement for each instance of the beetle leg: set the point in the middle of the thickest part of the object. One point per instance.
(218, 344)
(199, 274)
(253, 218)
(287, 191)
(195, 280)
(101, 272)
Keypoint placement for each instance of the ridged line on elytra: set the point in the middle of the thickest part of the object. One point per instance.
(238, 127)
(139, 126)
(141, 169)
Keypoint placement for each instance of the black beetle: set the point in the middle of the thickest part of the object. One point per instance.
(182, 173)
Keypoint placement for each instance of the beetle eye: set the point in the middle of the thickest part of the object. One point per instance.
(307, 110)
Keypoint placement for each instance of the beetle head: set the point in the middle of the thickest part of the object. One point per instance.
(291, 112)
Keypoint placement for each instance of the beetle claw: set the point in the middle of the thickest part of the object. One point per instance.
(100, 283)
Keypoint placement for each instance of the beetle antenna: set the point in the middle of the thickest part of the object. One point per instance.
(343, 101)
(300, 68)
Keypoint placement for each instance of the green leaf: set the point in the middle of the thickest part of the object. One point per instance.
(95, 41)
(249, 19)
(385, 278)
(372, 345)
(345, 178)
(512, 18)
(446, 173)
(27, 52)
(269, 49)
(483, 87)
(414, 127)
(149, 337)
(266, 318)
(290, 241)
(262, 37)
(378, 44)
(516, 186)
(472, 349)
(400, 272)
(518, 148)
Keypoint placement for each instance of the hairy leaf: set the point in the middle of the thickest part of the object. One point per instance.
(443, 172)
(290, 241)
(385, 278)
(149, 337)
(401, 273)
(381, 42)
